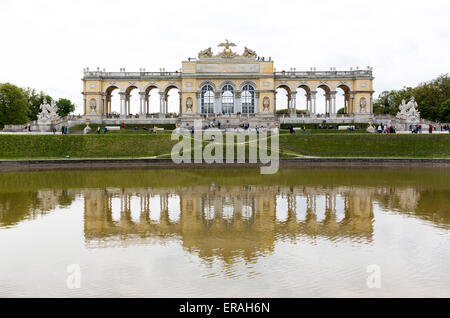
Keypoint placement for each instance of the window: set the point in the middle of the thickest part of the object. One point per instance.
(227, 99)
(207, 99)
(248, 99)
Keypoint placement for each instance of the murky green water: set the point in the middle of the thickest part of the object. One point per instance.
(226, 233)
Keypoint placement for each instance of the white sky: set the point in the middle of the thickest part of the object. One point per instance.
(45, 44)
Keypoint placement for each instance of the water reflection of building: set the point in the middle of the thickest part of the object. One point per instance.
(228, 222)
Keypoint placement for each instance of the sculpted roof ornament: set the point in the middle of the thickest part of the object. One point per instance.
(227, 53)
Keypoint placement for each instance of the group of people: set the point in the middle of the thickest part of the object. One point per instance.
(213, 124)
(385, 129)
(105, 130)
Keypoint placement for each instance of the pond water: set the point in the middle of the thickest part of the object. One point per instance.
(225, 233)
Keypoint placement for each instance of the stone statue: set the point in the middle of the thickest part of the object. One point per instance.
(266, 104)
(363, 103)
(249, 53)
(408, 112)
(48, 112)
(189, 104)
(227, 52)
(205, 53)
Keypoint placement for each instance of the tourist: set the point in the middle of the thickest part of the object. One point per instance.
(430, 129)
(105, 130)
(98, 130)
(53, 130)
(155, 129)
(62, 130)
(379, 129)
(122, 125)
(420, 129)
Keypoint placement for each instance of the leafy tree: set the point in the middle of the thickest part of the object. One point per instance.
(35, 100)
(341, 111)
(14, 107)
(444, 112)
(429, 97)
(65, 107)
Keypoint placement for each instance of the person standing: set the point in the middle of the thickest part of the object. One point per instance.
(98, 130)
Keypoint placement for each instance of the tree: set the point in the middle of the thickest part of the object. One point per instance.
(341, 111)
(65, 107)
(14, 107)
(444, 112)
(429, 97)
(35, 100)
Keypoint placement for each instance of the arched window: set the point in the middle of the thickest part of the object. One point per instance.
(248, 99)
(227, 99)
(207, 99)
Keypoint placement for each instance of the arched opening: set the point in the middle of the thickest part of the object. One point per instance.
(227, 99)
(207, 100)
(112, 99)
(343, 99)
(132, 101)
(248, 99)
(323, 100)
(282, 99)
(303, 99)
(152, 100)
(172, 101)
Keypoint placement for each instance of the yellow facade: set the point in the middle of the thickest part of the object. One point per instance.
(240, 72)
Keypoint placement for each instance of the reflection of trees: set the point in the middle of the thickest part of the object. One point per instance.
(17, 206)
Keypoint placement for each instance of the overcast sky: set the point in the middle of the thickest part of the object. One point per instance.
(45, 44)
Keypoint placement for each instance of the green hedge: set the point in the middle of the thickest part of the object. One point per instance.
(368, 145)
(80, 146)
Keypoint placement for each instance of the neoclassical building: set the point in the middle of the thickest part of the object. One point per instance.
(228, 84)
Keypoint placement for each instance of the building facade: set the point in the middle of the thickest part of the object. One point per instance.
(228, 84)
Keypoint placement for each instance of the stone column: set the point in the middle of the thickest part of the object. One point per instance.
(198, 104)
(256, 102)
(308, 103)
(103, 110)
(217, 103)
(122, 104)
(352, 98)
(84, 104)
(333, 104)
(128, 104)
(293, 104)
(371, 103)
(142, 103)
(275, 102)
(313, 102)
(161, 104)
(237, 103)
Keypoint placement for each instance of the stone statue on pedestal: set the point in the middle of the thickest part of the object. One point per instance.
(48, 118)
(408, 112)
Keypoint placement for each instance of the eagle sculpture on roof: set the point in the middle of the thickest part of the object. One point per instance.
(227, 44)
